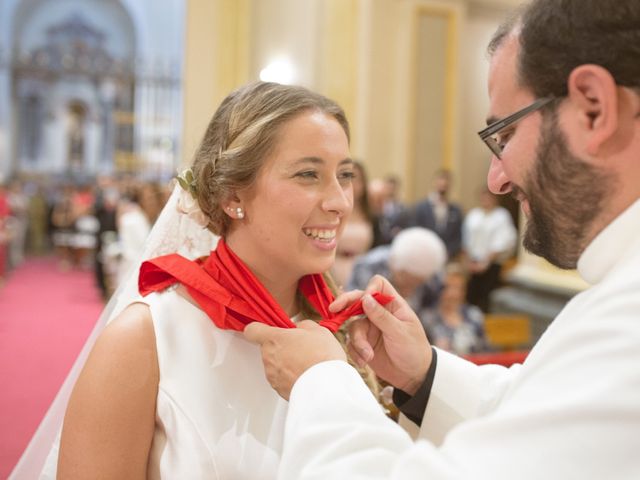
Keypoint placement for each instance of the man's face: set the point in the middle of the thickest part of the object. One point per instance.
(566, 195)
(441, 183)
(560, 193)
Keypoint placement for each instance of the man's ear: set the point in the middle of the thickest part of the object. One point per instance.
(592, 91)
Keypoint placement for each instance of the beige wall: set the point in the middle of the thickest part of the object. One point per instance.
(410, 74)
(480, 24)
(216, 61)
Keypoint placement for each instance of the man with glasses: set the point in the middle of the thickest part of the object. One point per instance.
(564, 133)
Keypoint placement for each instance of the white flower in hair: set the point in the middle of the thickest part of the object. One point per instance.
(187, 203)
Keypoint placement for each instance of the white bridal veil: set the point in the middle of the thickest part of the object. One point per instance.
(175, 231)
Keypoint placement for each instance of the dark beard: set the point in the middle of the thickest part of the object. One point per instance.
(565, 195)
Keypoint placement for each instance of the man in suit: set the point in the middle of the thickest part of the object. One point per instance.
(437, 213)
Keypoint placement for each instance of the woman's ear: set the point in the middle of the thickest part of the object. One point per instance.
(233, 207)
(593, 94)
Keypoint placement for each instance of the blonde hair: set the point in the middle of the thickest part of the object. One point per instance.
(241, 134)
(366, 373)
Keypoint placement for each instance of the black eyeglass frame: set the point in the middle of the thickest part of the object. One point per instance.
(486, 135)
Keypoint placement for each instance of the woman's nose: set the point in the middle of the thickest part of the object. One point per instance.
(497, 179)
(338, 199)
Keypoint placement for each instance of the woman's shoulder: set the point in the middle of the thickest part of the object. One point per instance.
(112, 408)
(131, 328)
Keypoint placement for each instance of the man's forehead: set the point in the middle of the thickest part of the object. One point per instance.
(505, 91)
(503, 65)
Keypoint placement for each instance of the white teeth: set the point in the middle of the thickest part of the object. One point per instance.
(319, 234)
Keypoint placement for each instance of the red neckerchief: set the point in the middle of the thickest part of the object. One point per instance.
(231, 295)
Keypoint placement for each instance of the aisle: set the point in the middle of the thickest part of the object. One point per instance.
(45, 317)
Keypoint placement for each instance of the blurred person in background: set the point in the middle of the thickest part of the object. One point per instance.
(63, 225)
(489, 239)
(413, 263)
(358, 234)
(453, 324)
(37, 214)
(377, 193)
(151, 199)
(106, 236)
(18, 204)
(133, 227)
(5, 211)
(389, 212)
(394, 209)
(86, 226)
(436, 212)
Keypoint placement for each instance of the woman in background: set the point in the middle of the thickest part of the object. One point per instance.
(453, 324)
(358, 234)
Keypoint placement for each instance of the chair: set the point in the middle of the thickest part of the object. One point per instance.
(507, 331)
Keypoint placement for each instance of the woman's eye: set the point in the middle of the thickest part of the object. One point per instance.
(346, 176)
(308, 174)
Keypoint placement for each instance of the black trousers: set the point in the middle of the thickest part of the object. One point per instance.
(481, 285)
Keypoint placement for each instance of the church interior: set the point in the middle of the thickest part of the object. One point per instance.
(101, 97)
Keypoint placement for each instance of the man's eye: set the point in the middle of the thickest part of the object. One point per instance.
(503, 137)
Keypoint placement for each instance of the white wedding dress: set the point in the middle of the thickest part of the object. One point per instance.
(216, 415)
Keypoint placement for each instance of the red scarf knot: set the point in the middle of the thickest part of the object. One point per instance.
(231, 295)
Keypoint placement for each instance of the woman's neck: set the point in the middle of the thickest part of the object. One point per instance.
(284, 293)
(282, 288)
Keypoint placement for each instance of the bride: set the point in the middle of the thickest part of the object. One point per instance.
(171, 389)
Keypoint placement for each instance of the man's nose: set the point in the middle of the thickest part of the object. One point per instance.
(497, 179)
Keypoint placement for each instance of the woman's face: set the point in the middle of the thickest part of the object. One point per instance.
(297, 207)
(455, 289)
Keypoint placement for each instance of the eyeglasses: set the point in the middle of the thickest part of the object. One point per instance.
(490, 134)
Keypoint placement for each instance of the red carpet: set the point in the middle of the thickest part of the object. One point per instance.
(45, 318)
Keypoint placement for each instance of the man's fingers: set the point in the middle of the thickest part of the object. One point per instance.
(259, 333)
(378, 315)
(355, 356)
(380, 284)
(358, 332)
(344, 300)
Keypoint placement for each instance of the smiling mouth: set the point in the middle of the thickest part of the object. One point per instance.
(323, 235)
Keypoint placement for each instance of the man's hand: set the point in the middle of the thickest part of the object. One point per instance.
(288, 352)
(391, 339)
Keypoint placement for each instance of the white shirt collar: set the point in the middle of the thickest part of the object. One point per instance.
(610, 245)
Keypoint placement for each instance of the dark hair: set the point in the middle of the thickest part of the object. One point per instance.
(363, 201)
(558, 35)
(242, 132)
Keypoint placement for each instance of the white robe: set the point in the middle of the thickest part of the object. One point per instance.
(572, 410)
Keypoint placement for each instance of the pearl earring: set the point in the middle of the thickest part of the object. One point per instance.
(239, 213)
